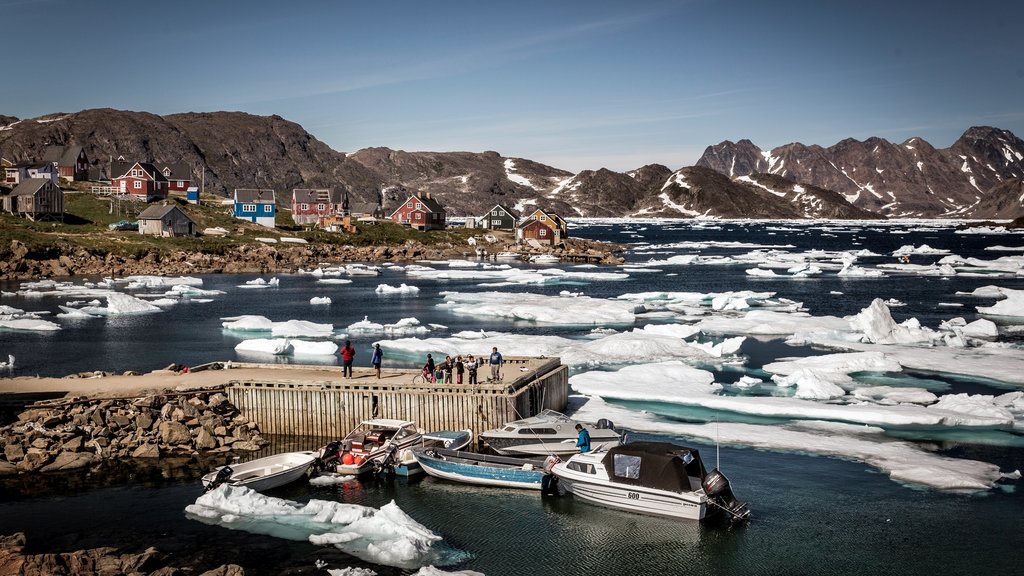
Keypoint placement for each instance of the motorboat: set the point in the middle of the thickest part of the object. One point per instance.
(545, 259)
(549, 432)
(262, 473)
(656, 478)
(365, 447)
(404, 463)
(484, 469)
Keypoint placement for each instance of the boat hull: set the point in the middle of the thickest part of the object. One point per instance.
(481, 470)
(637, 499)
(268, 472)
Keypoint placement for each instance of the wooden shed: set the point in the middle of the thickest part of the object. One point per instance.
(166, 220)
(37, 199)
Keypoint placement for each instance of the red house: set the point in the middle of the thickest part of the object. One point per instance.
(142, 181)
(178, 175)
(310, 206)
(421, 212)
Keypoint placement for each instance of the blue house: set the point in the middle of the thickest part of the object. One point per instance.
(259, 206)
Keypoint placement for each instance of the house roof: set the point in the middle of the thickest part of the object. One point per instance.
(311, 195)
(429, 204)
(365, 207)
(119, 168)
(507, 210)
(29, 186)
(62, 155)
(158, 211)
(178, 170)
(254, 196)
(147, 166)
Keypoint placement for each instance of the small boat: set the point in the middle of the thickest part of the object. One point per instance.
(507, 256)
(483, 469)
(549, 432)
(545, 259)
(404, 463)
(655, 478)
(262, 473)
(366, 447)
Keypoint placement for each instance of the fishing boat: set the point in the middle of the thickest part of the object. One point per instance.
(655, 478)
(549, 432)
(482, 469)
(262, 473)
(404, 463)
(365, 447)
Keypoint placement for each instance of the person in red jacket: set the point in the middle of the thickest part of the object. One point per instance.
(348, 354)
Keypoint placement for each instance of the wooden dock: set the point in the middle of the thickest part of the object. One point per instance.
(331, 407)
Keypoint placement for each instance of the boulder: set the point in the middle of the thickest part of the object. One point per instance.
(144, 421)
(246, 445)
(73, 445)
(174, 433)
(14, 452)
(34, 460)
(225, 570)
(147, 451)
(205, 440)
(6, 469)
(69, 461)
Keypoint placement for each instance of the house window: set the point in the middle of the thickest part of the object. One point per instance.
(248, 207)
(543, 218)
(181, 183)
(268, 209)
(321, 207)
(135, 173)
(543, 232)
(303, 206)
(138, 184)
(410, 204)
(495, 222)
(419, 206)
(494, 213)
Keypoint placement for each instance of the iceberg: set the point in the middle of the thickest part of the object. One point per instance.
(386, 536)
(878, 327)
(404, 289)
(320, 300)
(118, 303)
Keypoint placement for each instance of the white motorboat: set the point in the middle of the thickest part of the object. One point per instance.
(404, 462)
(547, 433)
(654, 478)
(545, 259)
(262, 473)
(367, 446)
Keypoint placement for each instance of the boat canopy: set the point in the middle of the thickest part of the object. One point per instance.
(658, 465)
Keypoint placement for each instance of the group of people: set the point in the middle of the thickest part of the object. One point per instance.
(348, 355)
(451, 370)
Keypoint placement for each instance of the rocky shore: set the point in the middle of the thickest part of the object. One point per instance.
(63, 260)
(73, 433)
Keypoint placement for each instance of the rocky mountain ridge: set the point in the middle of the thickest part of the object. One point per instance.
(732, 180)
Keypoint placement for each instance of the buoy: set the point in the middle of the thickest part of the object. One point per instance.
(347, 459)
(360, 459)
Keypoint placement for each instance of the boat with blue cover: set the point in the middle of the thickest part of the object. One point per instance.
(483, 469)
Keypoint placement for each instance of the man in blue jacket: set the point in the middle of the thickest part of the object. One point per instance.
(584, 441)
(495, 361)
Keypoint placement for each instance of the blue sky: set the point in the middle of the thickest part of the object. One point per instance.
(577, 85)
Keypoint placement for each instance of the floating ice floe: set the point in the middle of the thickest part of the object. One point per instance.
(878, 327)
(118, 303)
(904, 462)
(136, 282)
(29, 324)
(288, 329)
(403, 289)
(287, 347)
(564, 310)
(261, 283)
(320, 300)
(1011, 306)
(827, 376)
(771, 323)
(909, 249)
(404, 327)
(512, 275)
(334, 281)
(385, 536)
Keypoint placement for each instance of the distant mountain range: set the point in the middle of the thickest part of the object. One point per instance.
(980, 176)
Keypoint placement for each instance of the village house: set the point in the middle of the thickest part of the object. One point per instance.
(71, 162)
(142, 181)
(421, 212)
(499, 217)
(36, 199)
(541, 226)
(166, 220)
(256, 205)
(178, 175)
(310, 206)
(18, 173)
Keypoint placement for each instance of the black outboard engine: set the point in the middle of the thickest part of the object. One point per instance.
(223, 475)
(386, 465)
(605, 424)
(328, 458)
(719, 491)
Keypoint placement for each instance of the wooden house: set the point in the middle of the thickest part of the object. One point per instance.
(166, 220)
(498, 217)
(36, 199)
(142, 181)
(542, 226)
(548, 216)
(311, 206)
(71, 162)
(421, 212)
(256, 205)
(178, 175)
(17, 173)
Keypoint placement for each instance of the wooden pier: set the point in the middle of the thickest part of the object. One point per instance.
(331, 407)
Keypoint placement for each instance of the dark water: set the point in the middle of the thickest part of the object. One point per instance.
(812, 515)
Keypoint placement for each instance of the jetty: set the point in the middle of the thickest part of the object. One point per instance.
(316, 401)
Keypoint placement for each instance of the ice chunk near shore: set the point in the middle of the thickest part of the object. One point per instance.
(275, 346)
(118, 303)
(904, 462)
(662, 381)
(1012, 306)
(29, 324)
(136, 282)
(385, 536)
(247, 323)
(261, 283)
(564, 310)
(478, 343)
(301, 328)
(771, 323)
(404, 289)
(833, 368)
(365, 326)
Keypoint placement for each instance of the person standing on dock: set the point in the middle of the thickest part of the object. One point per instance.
(471, 366)
(377, 359)
(460, 368)
(495, 361)
(428, 369)
(348, 354)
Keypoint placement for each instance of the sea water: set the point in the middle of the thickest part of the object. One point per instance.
(811, 514)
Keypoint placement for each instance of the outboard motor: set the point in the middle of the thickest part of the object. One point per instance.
(605, 424)
(328, 458)
(223, 475)
(386, 465)
(719, 491)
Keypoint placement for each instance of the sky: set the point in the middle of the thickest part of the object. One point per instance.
(572, 84)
